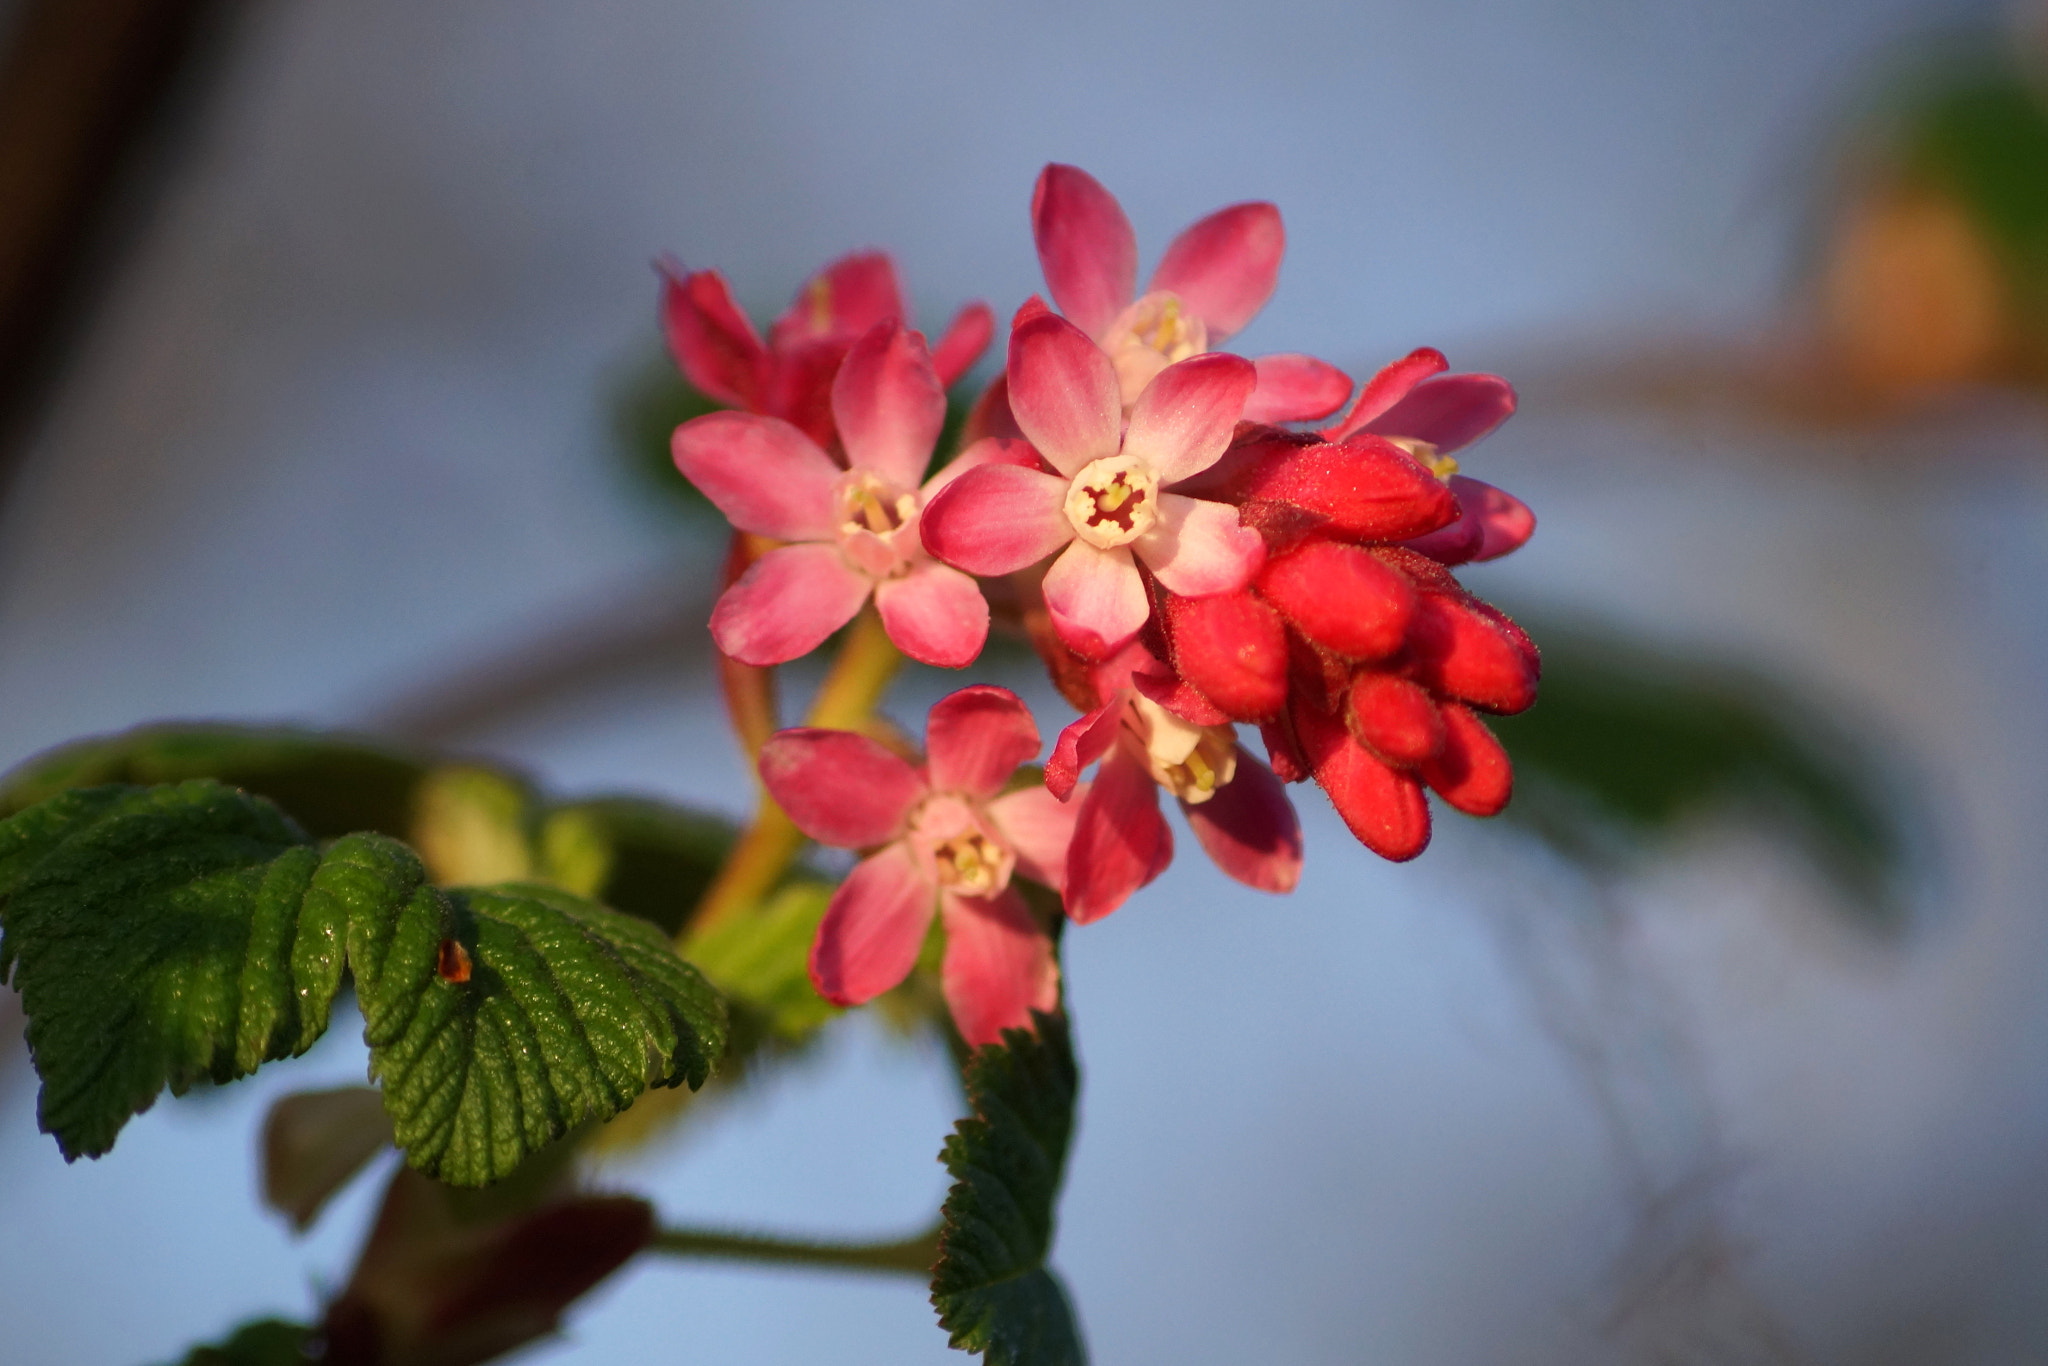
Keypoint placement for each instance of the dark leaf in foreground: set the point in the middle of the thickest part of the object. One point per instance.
(264, 1342)
(992, 1288)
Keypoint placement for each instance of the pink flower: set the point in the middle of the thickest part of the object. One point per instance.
(1110, 503)
(1146, 740)
(1429, 414)
(948, 844)
(791, 377)
(854, 528)
(1214, 277)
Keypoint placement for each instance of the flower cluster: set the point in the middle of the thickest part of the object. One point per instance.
(1157, 517)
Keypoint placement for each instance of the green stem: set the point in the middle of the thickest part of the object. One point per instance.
(911, 1256)
(859, 676)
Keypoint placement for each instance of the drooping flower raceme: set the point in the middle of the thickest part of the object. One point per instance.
(855, 527)
(1108, 496)
(1216, 275)
(1429, 414)
(791, 376)
(945, 839)
(1140, 731)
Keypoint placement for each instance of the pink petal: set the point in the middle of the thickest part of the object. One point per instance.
(989, 450)
(1038, 827)
(1085, 246)
(1120, 841)
(1184, 419)
(1249, 828)
(1505, 519)
(763, 474)
(962, 343)
(1198, 547)
(975, 738)
(842, 301)
(840, 788)
(888, 404)
(1449, 413)
(997, 519)
(1081, 744)
(872, 931)
(935, 614)
(711, 339)
(1454, 544)
(787, 603)
(991, 416)
(1388, 388)
(1224, 267)
(800, 386)
(1064, 393)
(1296, 389)
(998, 968)
(1096, 598)
(1178, 697)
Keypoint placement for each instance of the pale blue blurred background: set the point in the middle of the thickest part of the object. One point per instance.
(341, 429)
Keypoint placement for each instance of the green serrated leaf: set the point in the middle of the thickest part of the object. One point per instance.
(992, 1288)
(571, 1011)
(264, 1342)
(161, 936)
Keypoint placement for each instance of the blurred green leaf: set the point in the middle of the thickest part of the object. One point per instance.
(762, 961)
(263, 1342)
(992, 1288)
(331, 783)
(1983, 133)
(1625, 744)
(161, 936)
(643, 857)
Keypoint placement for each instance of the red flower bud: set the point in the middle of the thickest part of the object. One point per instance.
(1471, 772)
(1367, 489)
(1462, 652)
(1384, 807)
(1394, 717)
(1231, 648)
(1341, 597)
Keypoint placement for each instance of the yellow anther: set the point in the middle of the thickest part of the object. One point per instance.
(1199, 772)
(1428, 456)
(821, 305)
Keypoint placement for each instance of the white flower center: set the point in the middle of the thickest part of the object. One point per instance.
(877, 524)
(965, 855)
(1187, 760)
(1113, 501)
(1150, 335)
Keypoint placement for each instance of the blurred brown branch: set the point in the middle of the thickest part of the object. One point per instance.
(85, 85)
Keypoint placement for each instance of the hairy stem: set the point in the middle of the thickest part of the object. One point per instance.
(858, 678)
(912, 1256)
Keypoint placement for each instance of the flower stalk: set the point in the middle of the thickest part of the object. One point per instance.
(860, 674)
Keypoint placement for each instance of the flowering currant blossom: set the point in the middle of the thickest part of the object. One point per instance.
(1429, 414)
(1108, 495)
(855, 528)
(1364, 662)
(1142, 733)
(1214, 277)
(719, 352)
(942, 837)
